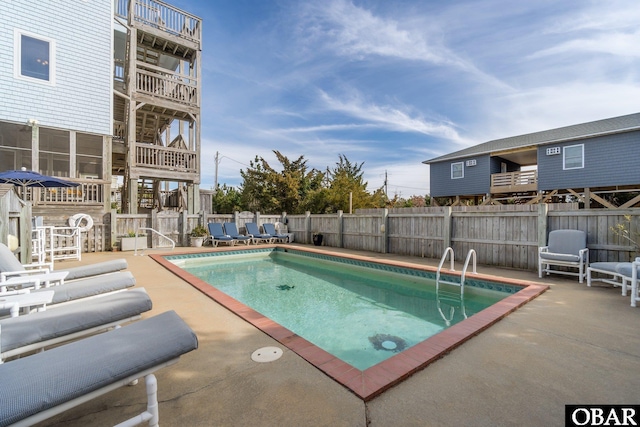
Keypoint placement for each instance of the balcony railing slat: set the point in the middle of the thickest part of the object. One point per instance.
(166, 158)
(514, 178)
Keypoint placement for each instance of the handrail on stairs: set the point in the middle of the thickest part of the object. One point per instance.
(173, 243)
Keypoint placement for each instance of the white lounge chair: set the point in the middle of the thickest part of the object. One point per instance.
(607, 274)
(37, 387)
(630, 272)
(24, 334)
(565, 248)
(10, 266)
(79, 290)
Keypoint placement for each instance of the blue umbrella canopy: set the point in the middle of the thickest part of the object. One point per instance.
(26, 178)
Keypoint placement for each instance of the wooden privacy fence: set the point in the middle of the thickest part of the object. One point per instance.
(502, 236)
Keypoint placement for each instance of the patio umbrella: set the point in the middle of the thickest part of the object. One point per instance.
(25, 178)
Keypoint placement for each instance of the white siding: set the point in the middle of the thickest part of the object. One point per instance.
(81, 98)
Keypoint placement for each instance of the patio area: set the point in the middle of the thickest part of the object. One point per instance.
(571, 345)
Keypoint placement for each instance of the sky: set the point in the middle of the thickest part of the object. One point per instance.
(392, 83)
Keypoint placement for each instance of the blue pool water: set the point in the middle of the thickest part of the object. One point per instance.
(360, 314)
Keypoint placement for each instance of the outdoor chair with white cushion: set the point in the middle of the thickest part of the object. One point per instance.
(565, 248)
(39, 330)
(42, 385)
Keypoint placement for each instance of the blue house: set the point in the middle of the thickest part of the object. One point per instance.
(105, 94)
(583, 162)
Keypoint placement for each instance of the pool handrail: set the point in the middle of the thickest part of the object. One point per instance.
(135, 250)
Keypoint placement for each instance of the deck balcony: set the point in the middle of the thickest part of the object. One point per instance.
(514, 182)
(162, 17)
(161, 84)
(166, 158)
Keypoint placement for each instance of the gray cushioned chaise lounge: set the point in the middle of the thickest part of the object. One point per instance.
(22, 334)
(90, 286)
(86, 288)
(10, 264)
(40, 386)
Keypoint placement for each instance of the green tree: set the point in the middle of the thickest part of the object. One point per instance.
(347, 178)
(292, 190)
(227, 200)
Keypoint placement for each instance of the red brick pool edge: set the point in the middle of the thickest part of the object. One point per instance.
(373, 381)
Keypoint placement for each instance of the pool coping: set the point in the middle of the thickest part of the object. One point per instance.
(375, 380)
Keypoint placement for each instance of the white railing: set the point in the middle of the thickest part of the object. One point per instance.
(135, 250)
(509, 179)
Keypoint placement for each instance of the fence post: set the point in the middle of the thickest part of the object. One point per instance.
(183, 226)
(446, 227)
(154, 225)
(258, 219)
(384, 230)
(543, 215)
(307, 226)
(113, 229)
(340, 228)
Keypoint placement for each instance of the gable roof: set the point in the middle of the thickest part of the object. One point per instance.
(567, 133)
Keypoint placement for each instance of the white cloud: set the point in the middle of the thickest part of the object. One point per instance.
(391, 118)
(618, 44)
(356, 33)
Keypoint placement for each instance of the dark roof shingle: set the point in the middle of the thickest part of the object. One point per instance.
(567, 133)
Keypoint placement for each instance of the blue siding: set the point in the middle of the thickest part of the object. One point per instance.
(608, 161)
(476, 181)
(81, 98)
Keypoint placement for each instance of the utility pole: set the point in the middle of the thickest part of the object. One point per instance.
(386, 193)
(215, 182)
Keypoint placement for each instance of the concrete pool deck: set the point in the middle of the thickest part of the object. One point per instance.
(571, 345)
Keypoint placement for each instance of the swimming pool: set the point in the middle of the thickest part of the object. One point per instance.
(367, 336)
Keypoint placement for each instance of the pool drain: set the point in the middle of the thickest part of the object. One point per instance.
(266, 354)
(388, 342)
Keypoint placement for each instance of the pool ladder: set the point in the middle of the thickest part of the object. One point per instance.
(453, 299)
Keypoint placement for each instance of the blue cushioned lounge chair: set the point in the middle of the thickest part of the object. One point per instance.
(271, 229)
(218, 235)
(231, 229)
(256, 236)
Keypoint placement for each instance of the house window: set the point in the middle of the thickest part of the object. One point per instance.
(573, 157)
(54, 152)
(34, 57)
(15, 146)
(457, 170)
(89, 156)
